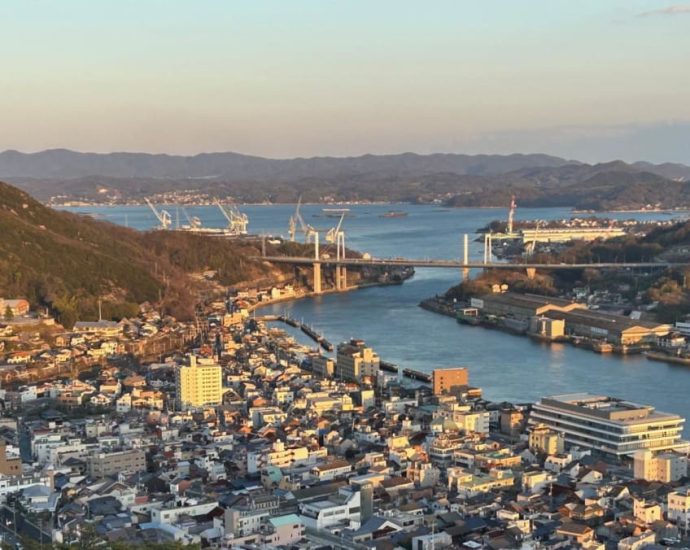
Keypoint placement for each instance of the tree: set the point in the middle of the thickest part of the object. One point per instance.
(9, 315)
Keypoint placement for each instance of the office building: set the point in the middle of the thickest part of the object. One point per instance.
(198, 384)
(609, 425)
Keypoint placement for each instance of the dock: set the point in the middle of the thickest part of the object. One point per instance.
(306, 329)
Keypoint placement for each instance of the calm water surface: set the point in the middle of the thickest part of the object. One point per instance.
(507, 367)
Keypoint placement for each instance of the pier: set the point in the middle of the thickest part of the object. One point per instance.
(306, 329)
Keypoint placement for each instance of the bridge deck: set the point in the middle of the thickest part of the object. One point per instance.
(457, 264)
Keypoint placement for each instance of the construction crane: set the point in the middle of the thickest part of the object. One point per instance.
(163, 216)
(237, 221)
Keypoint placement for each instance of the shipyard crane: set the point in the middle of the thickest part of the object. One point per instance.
(163, 216)
(237, 221)
(193, 221)
(297, 220)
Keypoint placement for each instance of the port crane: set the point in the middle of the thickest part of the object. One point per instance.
(237, 221)
(296, 222)
(163, 216)
(193, 221)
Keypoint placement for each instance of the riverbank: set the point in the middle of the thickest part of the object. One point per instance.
(302, 293)
(471, 316)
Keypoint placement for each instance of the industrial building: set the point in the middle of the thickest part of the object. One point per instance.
(567, 234)
(609, 425)
(524, 306)
(616, 329)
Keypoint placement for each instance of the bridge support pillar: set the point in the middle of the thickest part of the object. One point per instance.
(340, 277)
(317, 278)
(531, 272)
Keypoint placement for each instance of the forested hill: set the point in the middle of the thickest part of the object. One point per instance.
(64, 176)
(66, 262)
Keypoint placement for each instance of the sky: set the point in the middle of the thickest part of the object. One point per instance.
(592, 80)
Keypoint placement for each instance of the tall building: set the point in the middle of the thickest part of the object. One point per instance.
(199, 383)
(447, 380)
(355, 361)
(609, 425)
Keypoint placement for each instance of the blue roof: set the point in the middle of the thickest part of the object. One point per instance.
(288, 519)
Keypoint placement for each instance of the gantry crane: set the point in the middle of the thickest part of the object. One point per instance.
(163, 216)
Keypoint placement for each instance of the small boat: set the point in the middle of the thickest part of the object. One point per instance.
(394, 214)
(668, 358)
(335, 212)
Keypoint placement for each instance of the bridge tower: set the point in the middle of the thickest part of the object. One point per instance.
(488, 248)
(317, 264)
(340, 270)
(465, 257)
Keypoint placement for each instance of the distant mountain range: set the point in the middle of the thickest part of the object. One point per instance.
(455, 179)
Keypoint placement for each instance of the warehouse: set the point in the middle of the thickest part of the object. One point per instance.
(615, 329)
(524, 306)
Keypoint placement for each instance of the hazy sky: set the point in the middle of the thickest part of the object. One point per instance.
(586, 79)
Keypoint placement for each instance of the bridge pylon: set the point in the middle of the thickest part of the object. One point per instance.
(465, 257)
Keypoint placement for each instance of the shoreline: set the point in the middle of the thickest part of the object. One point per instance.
(311, 294)
(433, 305)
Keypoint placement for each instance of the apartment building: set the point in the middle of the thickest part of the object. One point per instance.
(112, 463)
(198, 384)
(355, 361)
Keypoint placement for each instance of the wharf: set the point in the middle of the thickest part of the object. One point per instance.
(306, 329)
